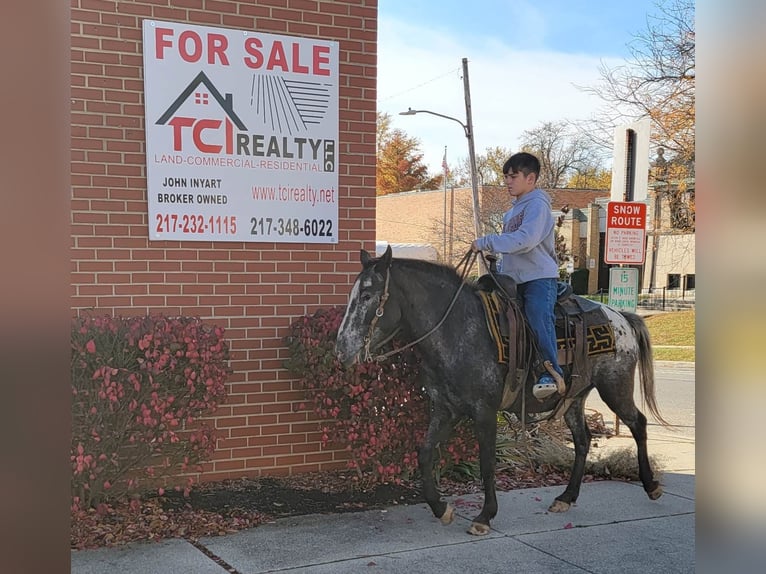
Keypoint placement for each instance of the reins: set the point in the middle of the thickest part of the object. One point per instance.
(466, 263)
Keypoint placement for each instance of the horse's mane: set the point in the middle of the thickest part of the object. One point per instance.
(437, 270)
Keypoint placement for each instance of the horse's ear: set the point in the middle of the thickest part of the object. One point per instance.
(384, 261)
(364, 257)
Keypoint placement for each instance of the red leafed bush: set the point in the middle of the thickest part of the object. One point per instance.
(378, 411)
(139, 386)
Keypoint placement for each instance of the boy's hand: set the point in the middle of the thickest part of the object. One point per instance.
(475, 247)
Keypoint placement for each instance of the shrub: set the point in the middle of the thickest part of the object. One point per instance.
(139, 386)
(377, 411)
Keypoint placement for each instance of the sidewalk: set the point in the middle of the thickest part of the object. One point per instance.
(613, 528)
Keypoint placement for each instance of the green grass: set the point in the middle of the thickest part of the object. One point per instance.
(672, 328)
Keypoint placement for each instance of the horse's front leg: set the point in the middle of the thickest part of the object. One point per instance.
(486, 432)
(439, 428)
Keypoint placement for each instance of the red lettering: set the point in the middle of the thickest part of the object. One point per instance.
(190, 46)
(280, 58)
(197, 135)
(196, 42)
(178, 124)
(253, 47)
(277, 57)
(321, 56)
(160, 43)
(216, 46)
(297, 60)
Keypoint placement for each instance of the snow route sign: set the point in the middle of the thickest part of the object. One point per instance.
(625, 233)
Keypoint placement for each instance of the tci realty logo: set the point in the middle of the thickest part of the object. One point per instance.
(203, 120)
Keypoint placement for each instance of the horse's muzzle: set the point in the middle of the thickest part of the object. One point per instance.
(346, 359)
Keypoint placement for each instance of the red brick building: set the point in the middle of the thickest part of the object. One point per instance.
(445, 221)
(254, 290)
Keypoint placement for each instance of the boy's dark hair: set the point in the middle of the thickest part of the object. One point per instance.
(522, 162)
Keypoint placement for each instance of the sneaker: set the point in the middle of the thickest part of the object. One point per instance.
(545, 387)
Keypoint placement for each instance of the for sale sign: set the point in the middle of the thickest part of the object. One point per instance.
(625, 232)
(241, 135)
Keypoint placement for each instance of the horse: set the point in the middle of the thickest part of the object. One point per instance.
(431, 304)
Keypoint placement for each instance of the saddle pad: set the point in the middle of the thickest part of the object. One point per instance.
(599, 335)
(497, 322)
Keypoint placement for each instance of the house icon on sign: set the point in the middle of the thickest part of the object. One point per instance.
(202, 97)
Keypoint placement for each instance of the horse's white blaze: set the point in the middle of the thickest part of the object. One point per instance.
(351, 339)
(351, 298)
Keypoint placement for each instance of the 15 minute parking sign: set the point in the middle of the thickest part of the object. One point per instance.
(623, 288)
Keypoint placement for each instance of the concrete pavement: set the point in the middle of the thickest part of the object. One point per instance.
(613, 528)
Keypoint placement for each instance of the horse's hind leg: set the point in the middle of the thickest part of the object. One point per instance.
(439, 428)
(486, 432)
(625, 408)
(575, 419)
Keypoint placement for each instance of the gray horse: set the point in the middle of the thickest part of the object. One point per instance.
(408, 298)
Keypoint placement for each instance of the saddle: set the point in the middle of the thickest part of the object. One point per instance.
(582, 330)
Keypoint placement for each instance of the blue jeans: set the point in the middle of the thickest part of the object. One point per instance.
(537, 299)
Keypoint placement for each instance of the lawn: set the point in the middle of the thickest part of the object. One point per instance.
(675, 328)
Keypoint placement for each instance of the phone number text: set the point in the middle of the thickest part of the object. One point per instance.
(291, 226)
(185, 223)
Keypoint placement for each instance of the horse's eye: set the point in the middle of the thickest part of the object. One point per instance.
(366, 297)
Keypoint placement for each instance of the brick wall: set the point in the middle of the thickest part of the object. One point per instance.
(418, 217)
(254, 290)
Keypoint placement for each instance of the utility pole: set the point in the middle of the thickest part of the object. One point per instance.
(472, 158)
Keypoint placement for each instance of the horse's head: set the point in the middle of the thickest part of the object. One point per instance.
(371, 318)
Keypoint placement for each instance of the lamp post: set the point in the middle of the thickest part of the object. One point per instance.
(468, 130)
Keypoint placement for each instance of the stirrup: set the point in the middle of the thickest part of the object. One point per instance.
(544, 390)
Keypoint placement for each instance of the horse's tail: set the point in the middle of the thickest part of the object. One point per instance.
(645, 364)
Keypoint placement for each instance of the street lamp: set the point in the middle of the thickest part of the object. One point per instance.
(468, 130)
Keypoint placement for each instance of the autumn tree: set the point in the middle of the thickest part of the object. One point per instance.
(399, 163)
(563, 152)
(489, 168)
(592, 178)
(658, 82)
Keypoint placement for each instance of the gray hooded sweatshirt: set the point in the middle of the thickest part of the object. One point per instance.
(527, 240)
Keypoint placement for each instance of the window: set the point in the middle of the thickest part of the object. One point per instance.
(689, 282)
(674, 281)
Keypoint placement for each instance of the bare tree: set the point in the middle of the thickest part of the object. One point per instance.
(562, 151)
(489, 167)
(657, 82)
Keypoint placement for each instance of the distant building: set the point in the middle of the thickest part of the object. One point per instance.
(444, 220)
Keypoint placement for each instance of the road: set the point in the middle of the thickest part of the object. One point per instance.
(674, 390)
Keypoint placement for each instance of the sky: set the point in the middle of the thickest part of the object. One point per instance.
(525, 61)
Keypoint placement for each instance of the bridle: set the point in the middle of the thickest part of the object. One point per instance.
(466, 262)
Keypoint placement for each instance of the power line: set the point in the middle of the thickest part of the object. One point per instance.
(420, 85)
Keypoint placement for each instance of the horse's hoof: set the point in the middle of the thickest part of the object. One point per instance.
(448, 516)
(478, 529)
(559, 506)
(656, 493)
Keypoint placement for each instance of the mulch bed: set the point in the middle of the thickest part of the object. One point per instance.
(224, 507)
(215, 509)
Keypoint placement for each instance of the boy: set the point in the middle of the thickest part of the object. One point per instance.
(529, 257)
